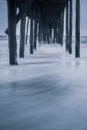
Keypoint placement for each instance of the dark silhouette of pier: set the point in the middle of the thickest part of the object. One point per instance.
(48, 90)
(46, 17)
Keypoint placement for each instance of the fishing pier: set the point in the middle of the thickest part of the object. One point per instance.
(46, 19)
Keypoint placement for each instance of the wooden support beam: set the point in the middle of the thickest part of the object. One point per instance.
(27, 31)
(70, 28)
(35, 34)
(61, 27)
(35, 11)
(18, 17)
(39, 33)
(77, 41)
(11, 6)
(41, 30)
(50, 32)
(44, 35)
(31, 36)
(55, 33)
(25, 6)
(22, 36)
(48, 38)
(67, 31)
(58, 30)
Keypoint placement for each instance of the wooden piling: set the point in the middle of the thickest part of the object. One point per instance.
(27, 31)
(35, 11)
(67, 45)
(22, 36)
(70, 28)
(12, 32)
(48, 38)
(55, 33)
(77, 41)
(50, 32)
(35, 34)
(59, 22)
(62, 26)
(31, 36)
(39, 33)
(44, 35)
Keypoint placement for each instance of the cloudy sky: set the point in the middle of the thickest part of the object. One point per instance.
(3, 16)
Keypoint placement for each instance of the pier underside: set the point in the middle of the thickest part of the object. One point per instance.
(46, 19)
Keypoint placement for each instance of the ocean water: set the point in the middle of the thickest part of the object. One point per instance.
(46, 91)
(4, 46)
(82, 38)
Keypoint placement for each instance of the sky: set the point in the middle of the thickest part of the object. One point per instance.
(3, 17)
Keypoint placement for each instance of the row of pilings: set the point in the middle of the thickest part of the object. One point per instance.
(40, 28)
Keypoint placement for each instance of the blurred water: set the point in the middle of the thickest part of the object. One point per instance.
(47, 91)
